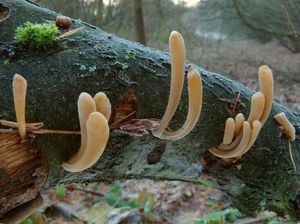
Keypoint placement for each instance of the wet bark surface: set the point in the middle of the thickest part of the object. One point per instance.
(92, 61)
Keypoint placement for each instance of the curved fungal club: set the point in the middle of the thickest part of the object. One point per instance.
(288, 128)
(289, 131)
(94, 132)
(240, 135)
(177, 51)
(94, 114)
(19, 86)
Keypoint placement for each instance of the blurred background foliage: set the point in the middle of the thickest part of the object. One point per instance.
(219, 19)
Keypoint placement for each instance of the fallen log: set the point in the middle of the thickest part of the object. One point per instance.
(136, 80)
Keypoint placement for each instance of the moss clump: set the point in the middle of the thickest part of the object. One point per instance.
(38, 35)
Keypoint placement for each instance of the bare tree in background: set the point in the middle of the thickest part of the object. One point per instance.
(260, 20)
(277, 18)
(139, 21)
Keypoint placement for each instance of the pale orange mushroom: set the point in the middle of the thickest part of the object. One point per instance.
(177, 51)
(265, 77)
(94, 135)
(239, 120)
(256, 126)
(261, 104)
(194, 110)
(97, 137)
(103, 105)
(288, 128)
(236, 152)
(229, 131)
(257, 107)
(19, 92)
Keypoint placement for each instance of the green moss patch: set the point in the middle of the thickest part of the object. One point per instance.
(37, 35)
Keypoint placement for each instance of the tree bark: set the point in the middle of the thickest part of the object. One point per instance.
(139, 21)
(93, 60)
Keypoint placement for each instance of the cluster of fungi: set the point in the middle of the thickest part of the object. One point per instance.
(94, 113)
(240, 134)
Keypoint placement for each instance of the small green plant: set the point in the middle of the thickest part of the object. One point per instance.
(115, 198)
(229, 214)
(61, 192)
(38, 35)
(147, 208)
(26, 221)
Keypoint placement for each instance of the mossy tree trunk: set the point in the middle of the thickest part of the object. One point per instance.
(93, 60)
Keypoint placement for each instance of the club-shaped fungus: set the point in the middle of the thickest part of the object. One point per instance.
(288, 128)
(257, 107)
(261, 104)
(94, 134)
(229, 131)
(239, 120)
(265, 77)
(194, 110)
(227, 154)
(97, 130)
(19, 92)
(103, 105)
(177, 51)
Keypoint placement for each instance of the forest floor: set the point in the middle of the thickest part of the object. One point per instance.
(147, 201)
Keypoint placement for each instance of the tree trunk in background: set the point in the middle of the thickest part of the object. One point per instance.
(93, 61)
(139, 21)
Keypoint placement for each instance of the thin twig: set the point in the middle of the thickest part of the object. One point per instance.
(71, 32)
(41, 132)
(59, 132)
(13, 124)
(291, 24)
(95, 193)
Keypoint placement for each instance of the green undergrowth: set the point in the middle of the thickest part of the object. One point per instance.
(225, 216)
(233, 216)
(103, 208)
(115, 197)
